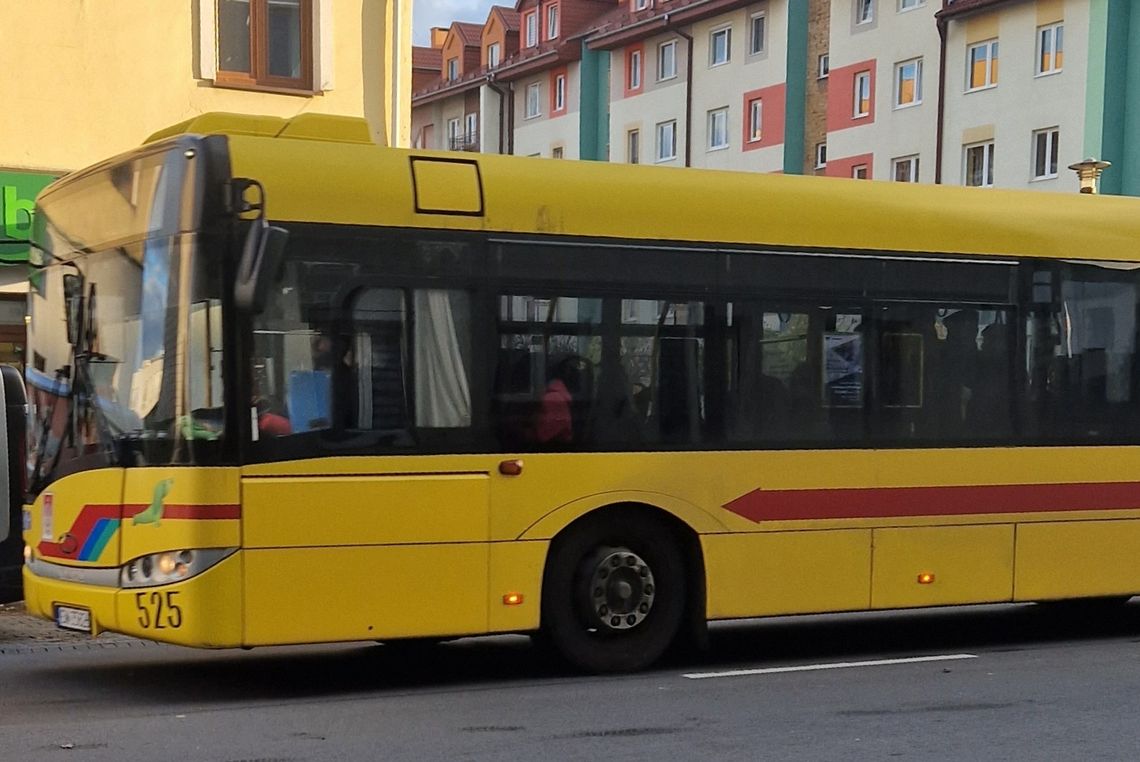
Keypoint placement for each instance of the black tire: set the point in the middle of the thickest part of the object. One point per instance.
(642, 625)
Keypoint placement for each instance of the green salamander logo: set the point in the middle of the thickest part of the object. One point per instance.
(153, 512)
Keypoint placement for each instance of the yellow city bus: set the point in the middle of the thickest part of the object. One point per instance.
(287, 386)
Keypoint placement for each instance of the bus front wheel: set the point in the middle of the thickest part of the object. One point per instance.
(614, 593)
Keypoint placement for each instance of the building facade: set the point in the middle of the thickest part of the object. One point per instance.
(90, 79)
(966, 92)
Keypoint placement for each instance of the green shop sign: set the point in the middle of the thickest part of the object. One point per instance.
(18, 192)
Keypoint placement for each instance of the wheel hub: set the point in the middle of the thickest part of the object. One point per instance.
(621, 589)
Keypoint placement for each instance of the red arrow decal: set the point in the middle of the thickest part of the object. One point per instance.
(890, 502)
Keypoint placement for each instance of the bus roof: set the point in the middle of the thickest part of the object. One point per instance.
(327, 173)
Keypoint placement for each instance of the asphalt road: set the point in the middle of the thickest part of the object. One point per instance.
(1010, 682)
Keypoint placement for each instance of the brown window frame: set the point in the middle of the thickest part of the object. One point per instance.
(259, 78)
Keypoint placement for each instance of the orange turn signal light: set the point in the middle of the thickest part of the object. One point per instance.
(512, 599)
(926, 578)
(510, 467)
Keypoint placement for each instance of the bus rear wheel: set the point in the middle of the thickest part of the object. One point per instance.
(614, 593)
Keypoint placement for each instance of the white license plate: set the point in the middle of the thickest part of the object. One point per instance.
(70, 618)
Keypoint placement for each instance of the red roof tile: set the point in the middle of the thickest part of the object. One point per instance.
(426, 58)
(512, 20)
(469, 34)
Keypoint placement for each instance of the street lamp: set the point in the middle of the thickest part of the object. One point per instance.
(1089, 172)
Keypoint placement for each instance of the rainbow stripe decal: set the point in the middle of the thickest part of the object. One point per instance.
(96, 525)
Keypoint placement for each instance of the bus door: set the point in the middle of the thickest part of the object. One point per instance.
(351, 531)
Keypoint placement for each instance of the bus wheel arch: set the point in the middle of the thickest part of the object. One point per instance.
(621, 585)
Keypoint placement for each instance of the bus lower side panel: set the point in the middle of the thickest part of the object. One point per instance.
(774, 573)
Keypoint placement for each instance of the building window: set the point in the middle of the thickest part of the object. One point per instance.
(980, 165)
(556, 152)
(634, 70)
(493, 55)
(472, 127)
(640, 5)
(633, 146)
(720, 46)
(755, 119)
(667, 141)
(552, 21)
(908, 83)
(864, 11)
(559, 92)
(824, 67)
(862, 105)
(906, 5)
(982, 63)
(859, 172)
(452, 69)
(1050, 48)
(756, 29)
(533, 92)
(454, 137)
(1045, 153)
(718, 129)
(265, 43)
(820, 155)
(667, 60)
(530, 23)
(905, 169)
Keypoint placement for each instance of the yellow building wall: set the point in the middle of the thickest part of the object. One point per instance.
(86, 79)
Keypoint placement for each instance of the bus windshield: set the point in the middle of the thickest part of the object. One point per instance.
(125, 322)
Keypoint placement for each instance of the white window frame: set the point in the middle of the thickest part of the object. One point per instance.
(494, 55)
(820, 155)
(1052, 137)
(862, 78)
(552, 21)
(670, 144)
(718, 128)
(989, 47)
(471, 125)
(755, 120)
(453, 127)
(910, 5)
(756, 42)
(640, 5)
(726, 33)
(530, 28)
(560, 92)
(533, 100)
(633, 146)
(823, 66)
(864, 11)
(671, 73)
(557, 152)
(855, 170)
(1055, 32)
(911, 165)
(900, 68)
(633, 81)
(987, 148)
(452, 69)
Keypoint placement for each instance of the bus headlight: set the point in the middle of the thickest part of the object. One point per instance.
(170, 566)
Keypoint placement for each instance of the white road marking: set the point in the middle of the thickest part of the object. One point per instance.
(834, 665)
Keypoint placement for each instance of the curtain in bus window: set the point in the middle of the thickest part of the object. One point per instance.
(381, 359)
(443, 396)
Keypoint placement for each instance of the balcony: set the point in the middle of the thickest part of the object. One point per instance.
(465, 141)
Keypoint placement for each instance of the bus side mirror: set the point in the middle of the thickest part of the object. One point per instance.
(260, 263)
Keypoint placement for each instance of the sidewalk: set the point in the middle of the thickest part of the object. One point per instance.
(19, 631)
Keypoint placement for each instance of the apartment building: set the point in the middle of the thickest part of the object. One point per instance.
(967, 92)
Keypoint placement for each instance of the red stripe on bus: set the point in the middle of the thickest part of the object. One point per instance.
(889, 502)
(78, 532)
(194, 512)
